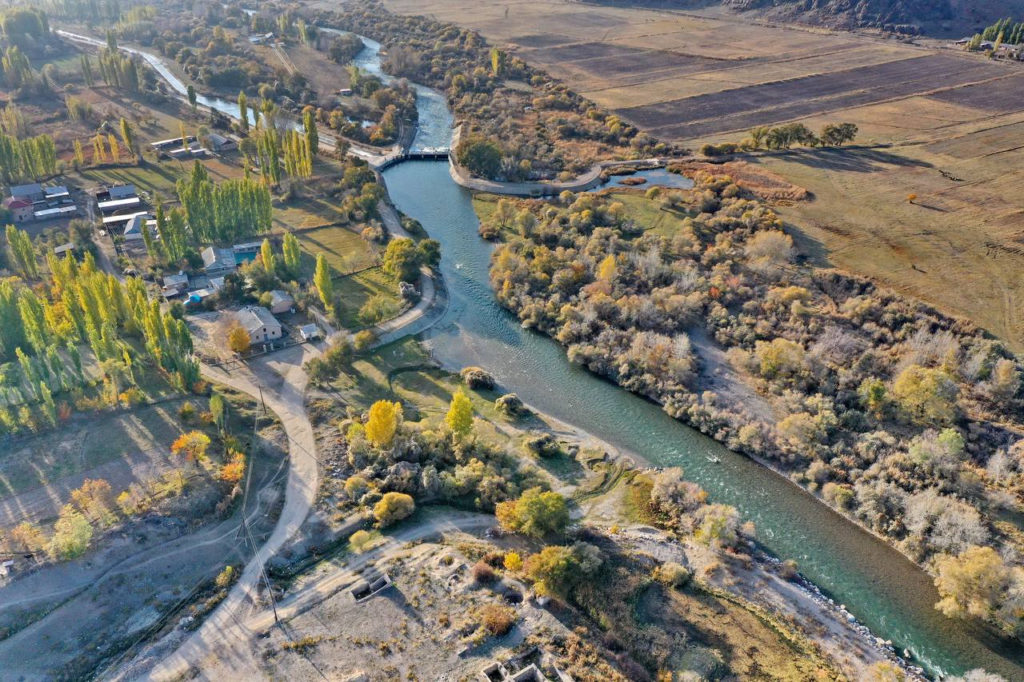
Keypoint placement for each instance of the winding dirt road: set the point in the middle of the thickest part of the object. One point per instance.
(282, 381)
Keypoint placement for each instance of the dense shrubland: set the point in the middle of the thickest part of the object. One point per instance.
(220, 61)
(536, 127)
(901, 417)
(432, 463)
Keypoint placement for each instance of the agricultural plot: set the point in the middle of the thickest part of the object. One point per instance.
(344, 249)
(742, 108)
(698, 76)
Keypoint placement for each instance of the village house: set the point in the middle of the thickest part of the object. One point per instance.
(138, 223)
(35, 202)
(172, 143)
(280, 301)
(218, 262)
(261, 325)
(21, 209)
(175, 285)
(309, 332)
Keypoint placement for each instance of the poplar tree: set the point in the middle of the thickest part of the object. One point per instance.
(128, 137)
(312, 134)
(243, 112)
(323, 282)
(267, 255)
(290, 249)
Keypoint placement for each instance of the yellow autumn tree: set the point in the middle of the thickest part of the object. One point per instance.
(606, 270)
(460, 414)
(234, 468)
(239, 339)
(192, 445)
(971, 584)
(383, 421)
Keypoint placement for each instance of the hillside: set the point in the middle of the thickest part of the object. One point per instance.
(911, 16)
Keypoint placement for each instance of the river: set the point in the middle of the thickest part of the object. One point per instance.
(882, 588)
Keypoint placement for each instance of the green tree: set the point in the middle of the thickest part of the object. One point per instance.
(972, 584)
(192, 97)
(243, 112)
(128, 137)
(323, 282)
(239, 340)
(535, 513)
(872, 394)
(267, 256)
(928, 395)
(460, 414)
(479, 156)
(290, 249)
(20, 245)
(218, 410)
(556, 570)
(310, 131)
(71, 534)
(402, 260)
(836, 135)
(497, 61)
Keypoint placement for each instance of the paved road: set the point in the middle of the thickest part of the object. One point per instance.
(283, 383)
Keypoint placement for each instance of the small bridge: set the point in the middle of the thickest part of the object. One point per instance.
(433, 154)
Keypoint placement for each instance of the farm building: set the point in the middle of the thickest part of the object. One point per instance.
(21, 209)
(58, 193)
(280, 301)
(309, 332)
(220, 143)
(174, 142)
(246, 251)
(117, 198)
(31, 193)
(63, 249)
(121, 219)
(218, 262)
(55, 212)
(138, 223)
(261, 325)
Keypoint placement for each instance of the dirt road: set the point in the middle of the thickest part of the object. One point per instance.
(230, 651)
(282, 382)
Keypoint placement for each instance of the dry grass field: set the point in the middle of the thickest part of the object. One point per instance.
(687, 77)
(952, 126)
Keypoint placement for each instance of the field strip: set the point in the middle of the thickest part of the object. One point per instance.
(665, 131)
(715, 75)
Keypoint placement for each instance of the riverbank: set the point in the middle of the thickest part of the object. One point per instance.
(584, 182)
(797, 601)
